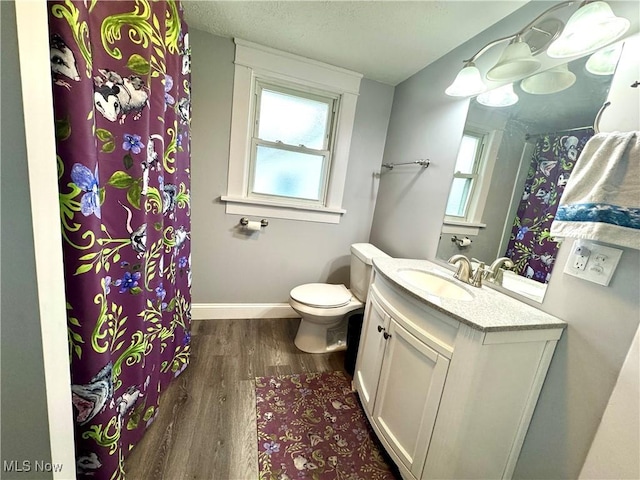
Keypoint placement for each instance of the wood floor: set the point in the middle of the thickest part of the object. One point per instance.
(206, 425)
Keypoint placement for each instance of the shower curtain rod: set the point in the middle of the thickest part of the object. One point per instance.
(527, 136)
(595, 126)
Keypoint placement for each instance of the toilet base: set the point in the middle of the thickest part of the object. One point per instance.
(320, 338)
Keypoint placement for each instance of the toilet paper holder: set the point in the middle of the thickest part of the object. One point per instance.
(461, 242)
(244, 221)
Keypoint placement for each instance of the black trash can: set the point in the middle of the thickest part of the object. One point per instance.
(354, 327)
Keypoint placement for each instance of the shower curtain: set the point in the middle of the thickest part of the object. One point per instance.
(530, 246)
(121, 88)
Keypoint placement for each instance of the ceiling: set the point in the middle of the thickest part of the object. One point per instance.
(387, 41)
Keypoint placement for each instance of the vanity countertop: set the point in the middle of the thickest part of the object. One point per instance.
(489, 311)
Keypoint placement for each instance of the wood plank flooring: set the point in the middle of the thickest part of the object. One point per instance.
(206, 425)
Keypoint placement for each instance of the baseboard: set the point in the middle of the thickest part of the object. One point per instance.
(219, 311)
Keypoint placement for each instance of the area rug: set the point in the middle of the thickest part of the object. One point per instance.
(312, 426)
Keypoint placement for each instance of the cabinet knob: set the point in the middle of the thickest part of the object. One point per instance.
(380, 328)
(386, 335)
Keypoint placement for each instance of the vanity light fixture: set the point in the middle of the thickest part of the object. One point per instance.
(592, 26)
(468, 82)
(503, 96)
(604, 61)
(550, 81)
(515, 62)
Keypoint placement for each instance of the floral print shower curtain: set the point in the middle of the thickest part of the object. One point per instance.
(530, 246)
(121, 88)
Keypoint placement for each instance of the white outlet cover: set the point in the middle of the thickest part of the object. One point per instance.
(601, 263)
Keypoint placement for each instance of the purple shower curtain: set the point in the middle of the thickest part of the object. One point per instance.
(121, 76)
(530, 246)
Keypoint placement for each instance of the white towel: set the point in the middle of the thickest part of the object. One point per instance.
(601, 201)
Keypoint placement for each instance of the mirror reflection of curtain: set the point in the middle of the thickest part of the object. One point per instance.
(530, 246)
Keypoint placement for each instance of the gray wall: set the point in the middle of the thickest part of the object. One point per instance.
(25, 432)
(602, 320)
(230, 267)
(411, 200)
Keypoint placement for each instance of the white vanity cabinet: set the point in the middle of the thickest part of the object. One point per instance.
(371, 351)
(447, 399)
(405, 407)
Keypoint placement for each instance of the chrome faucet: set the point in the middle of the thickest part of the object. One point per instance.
(466, 273)
(464, 267)
(495, 272)
(474, 277)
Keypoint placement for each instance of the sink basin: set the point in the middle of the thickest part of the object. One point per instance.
(434, 284)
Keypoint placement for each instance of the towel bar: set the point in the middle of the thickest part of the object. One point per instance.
(422, 163)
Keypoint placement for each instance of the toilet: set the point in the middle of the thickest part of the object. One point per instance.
(325, 308)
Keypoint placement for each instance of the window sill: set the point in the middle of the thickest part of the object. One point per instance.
(265, 208)
(462, 228)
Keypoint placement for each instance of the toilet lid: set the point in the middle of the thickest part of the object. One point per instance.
(322, 295)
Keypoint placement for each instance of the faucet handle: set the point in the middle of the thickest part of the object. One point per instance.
(480, 265)
(478, 274)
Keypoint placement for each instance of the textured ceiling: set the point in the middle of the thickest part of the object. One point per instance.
(387, 41)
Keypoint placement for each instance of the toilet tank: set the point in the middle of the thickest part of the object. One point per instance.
(362, 255)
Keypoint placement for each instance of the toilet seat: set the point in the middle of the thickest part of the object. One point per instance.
(322, 295)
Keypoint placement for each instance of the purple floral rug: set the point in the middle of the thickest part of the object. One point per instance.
(312, 426)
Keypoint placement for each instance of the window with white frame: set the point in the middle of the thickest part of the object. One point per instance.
(466, 175)
(291, 128)
(471, 180)
(291, 144)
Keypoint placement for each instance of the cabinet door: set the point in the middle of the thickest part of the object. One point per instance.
(408, 396)
(370, 352)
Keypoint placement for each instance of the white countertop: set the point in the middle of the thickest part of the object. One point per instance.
(489, 311)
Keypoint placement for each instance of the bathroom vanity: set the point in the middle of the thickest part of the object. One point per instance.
(449, 374)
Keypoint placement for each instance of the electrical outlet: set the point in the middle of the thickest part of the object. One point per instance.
(592, 261)
(581, 257)
(580, 262)
(600, 258)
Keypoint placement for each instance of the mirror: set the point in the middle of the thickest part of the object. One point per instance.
(523, 154)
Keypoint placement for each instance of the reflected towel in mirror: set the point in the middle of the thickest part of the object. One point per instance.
(601, 201)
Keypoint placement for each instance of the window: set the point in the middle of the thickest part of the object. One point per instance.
(291, 145)
(471, 180)
(291, 126)
(465, 176)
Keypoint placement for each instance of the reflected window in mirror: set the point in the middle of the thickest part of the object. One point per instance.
(472, 179)
(466, 174)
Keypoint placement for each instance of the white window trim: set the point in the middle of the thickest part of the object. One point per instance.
(254, 62)
(473, 223)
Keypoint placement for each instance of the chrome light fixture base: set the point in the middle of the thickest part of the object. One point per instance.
(541, 34)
